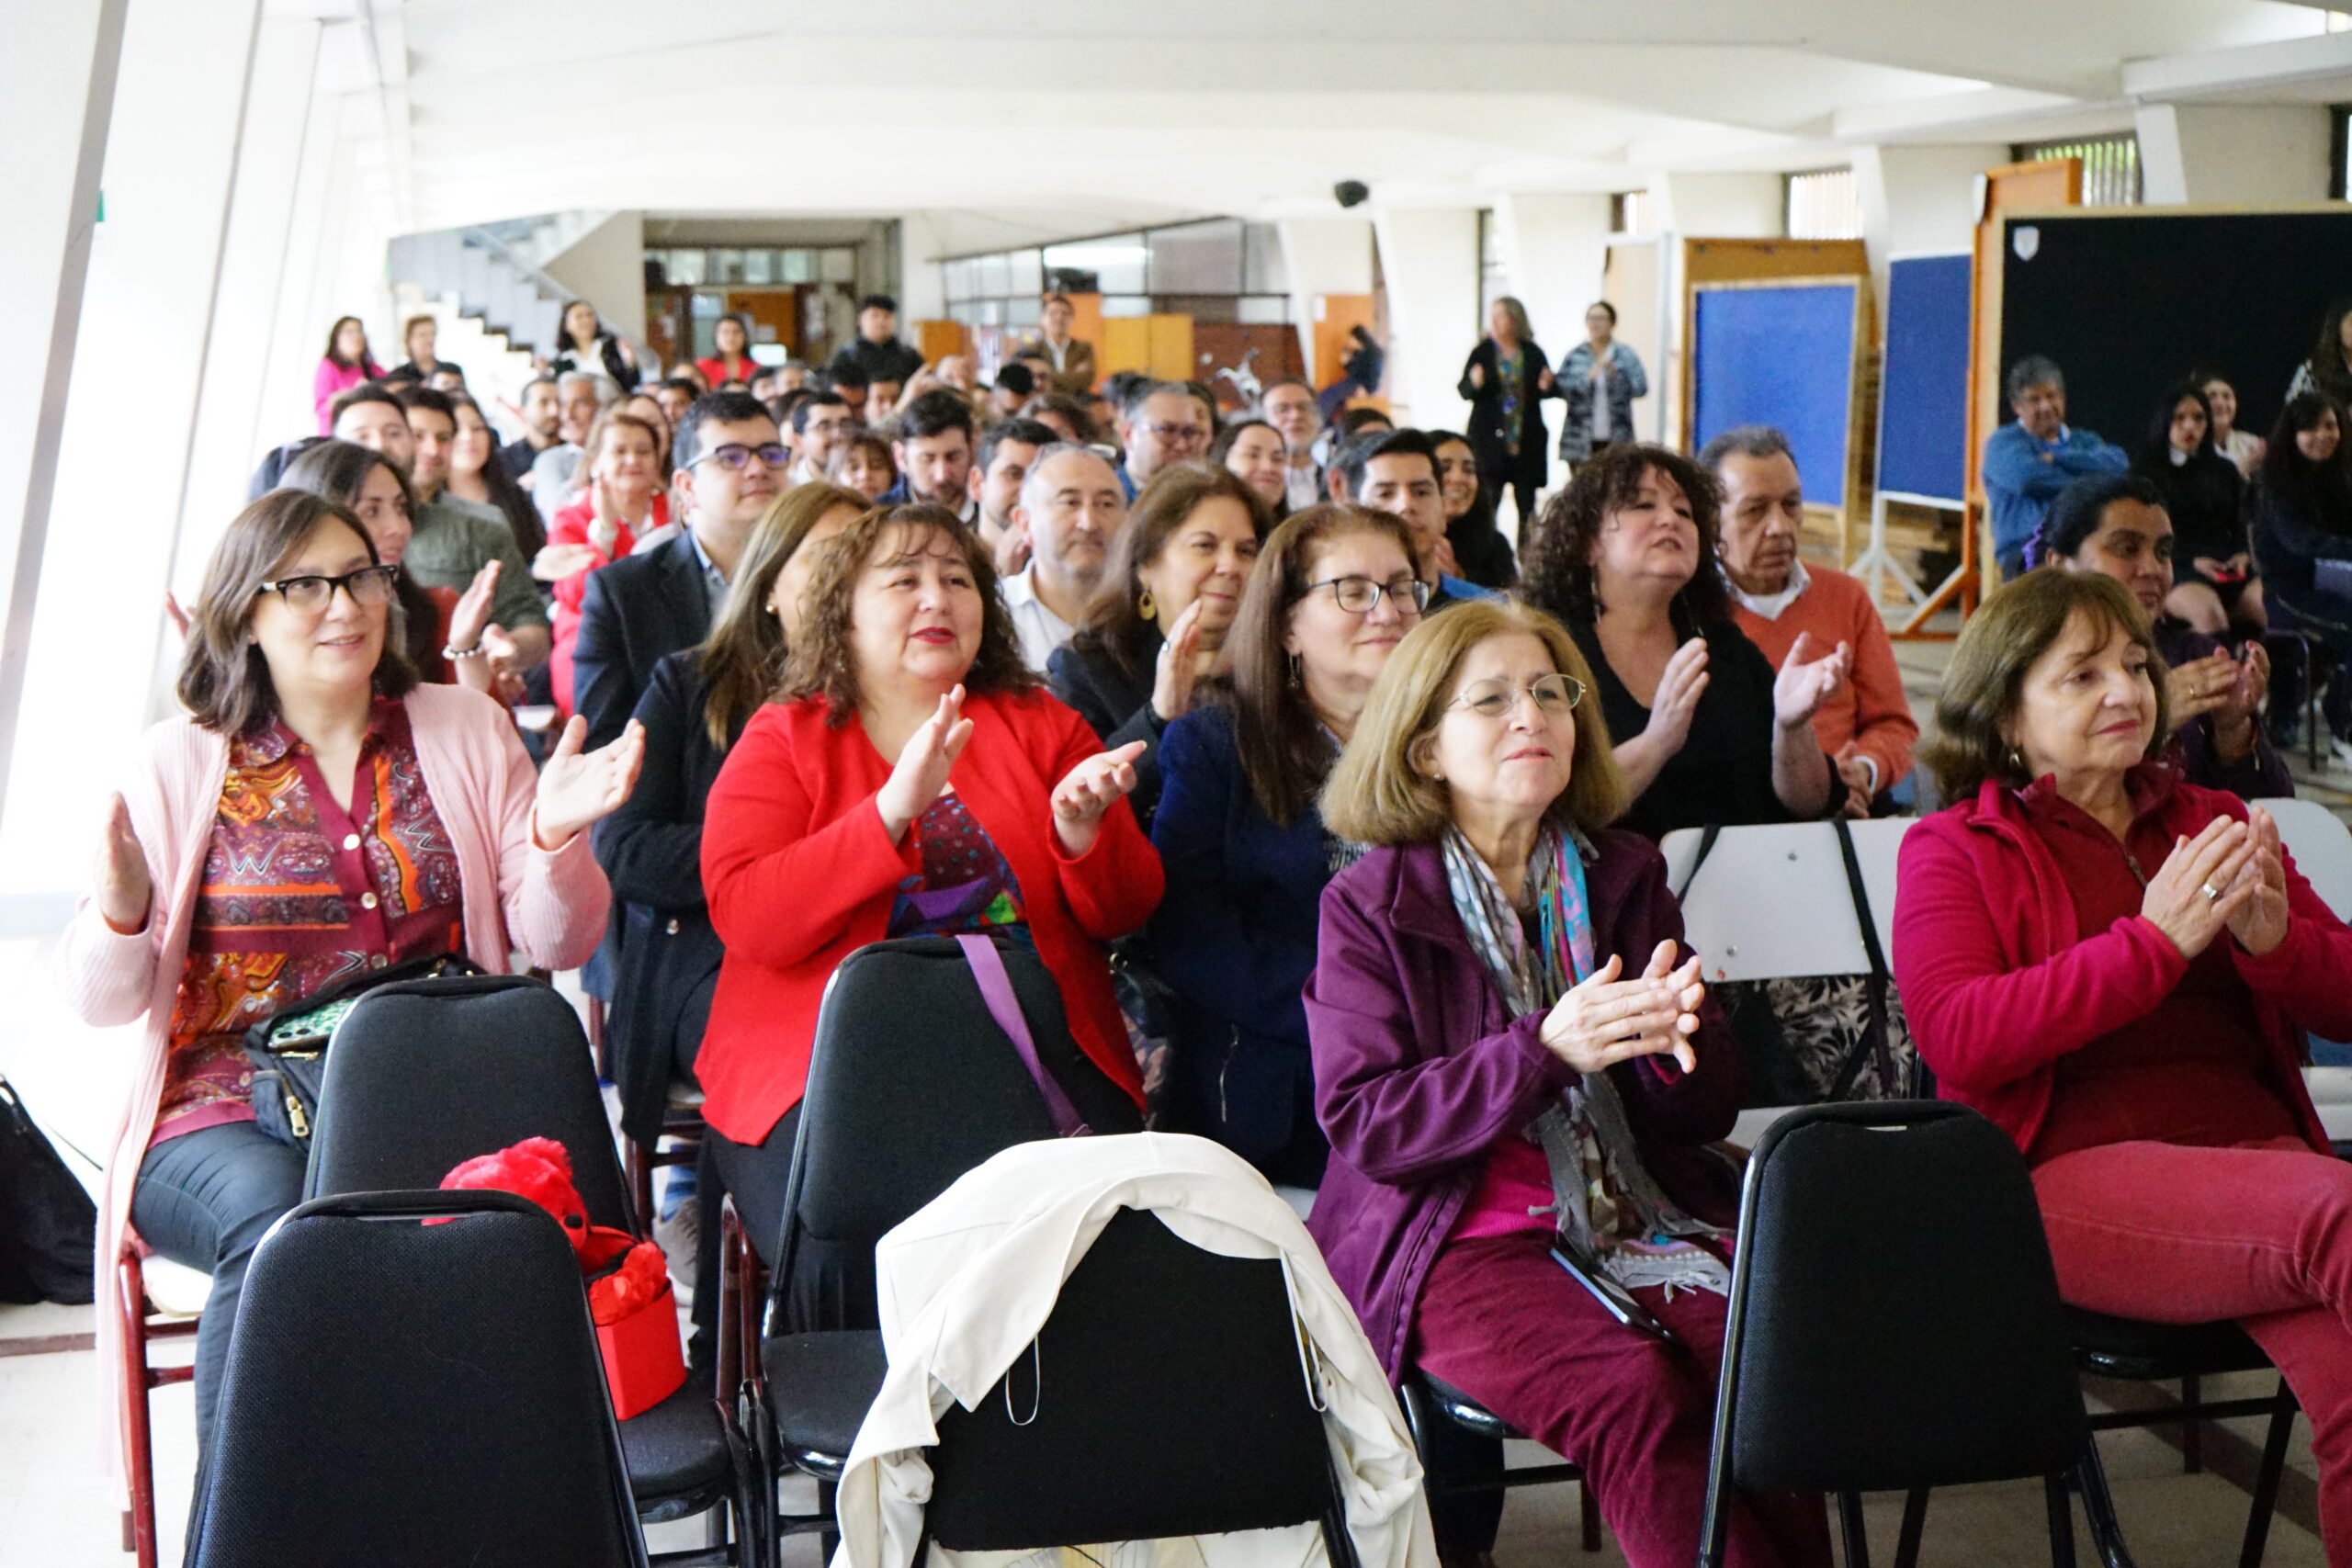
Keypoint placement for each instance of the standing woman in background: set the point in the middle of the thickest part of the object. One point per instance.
(1599, 380)
(2243, 447)
(731, 361)
(2329, 369)
(346, 363)
(1506, 380)
(2214, 588)
(584, 345)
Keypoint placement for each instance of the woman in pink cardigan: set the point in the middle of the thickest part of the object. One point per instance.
(316, 815)
(2117, 968)
(344, 365)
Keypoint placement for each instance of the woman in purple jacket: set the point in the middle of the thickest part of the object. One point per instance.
(1518, 1070)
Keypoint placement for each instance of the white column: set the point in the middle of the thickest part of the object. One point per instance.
(1428, 258)
(606, 267)
(298, 333)
(2237, 155)
(1720, 206)
(98, 631)
(1323, 255)
(1918, 199)
(922, 289)
(1554, 249)
(57, 90)
(231, 432)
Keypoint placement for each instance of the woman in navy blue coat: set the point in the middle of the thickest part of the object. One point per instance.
(1245, 850)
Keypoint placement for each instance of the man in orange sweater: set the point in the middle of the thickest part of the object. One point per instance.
(1866, 727)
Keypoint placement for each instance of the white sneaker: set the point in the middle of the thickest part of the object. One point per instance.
(679, 1237)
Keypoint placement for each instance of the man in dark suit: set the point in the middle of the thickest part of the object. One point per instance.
(646, 606)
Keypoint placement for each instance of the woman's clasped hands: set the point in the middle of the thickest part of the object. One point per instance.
(1604, 1019)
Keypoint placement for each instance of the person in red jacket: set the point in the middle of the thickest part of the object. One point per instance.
(911, 779)
(2117, 967)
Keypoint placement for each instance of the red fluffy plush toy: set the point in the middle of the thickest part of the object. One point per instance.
(626, 1277)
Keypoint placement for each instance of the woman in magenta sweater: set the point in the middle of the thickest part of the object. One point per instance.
(344, 365)
(2117, 967)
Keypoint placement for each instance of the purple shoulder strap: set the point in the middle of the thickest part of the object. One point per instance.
(996, 990)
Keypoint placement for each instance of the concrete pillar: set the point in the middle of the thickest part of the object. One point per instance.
(1428, 257)
(2237, 155)
(57, 90)
(98, 632)
(231, 432)
(1324, 255)
(922, 287)
(1918, 199)
(1554, 248)
(604, 266)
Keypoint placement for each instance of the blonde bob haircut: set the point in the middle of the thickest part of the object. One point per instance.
(1381, 790)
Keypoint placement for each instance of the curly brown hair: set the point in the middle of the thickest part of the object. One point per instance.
(1557, 572)
(821, 662)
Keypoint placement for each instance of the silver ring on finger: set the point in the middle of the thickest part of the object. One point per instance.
(2212, 894)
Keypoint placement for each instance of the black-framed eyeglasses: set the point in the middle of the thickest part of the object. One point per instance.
(370, 587)
(734, 455)
(1174, 434)
(1552, 694)
(1357, 595)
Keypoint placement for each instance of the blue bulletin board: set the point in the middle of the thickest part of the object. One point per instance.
(1923, 388)
(1781, 353)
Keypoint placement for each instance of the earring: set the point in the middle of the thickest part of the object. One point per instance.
(1297, 671)
(1145, 608)
(2017, 759)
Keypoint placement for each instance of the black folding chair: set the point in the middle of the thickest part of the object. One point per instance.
(2129, 1350)
(1894, 1322)
(399, 1391)
(425, 1074)
(910, 1084)
(1164, 1397)
(1452, 1467)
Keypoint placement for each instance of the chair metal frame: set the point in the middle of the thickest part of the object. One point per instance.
(141, 1325)
(1427, 1401)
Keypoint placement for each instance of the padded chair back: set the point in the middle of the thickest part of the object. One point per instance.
(425, 1074)
(912, 1084)
(1165, 1398)
(404, 1393)
(1895, 1318)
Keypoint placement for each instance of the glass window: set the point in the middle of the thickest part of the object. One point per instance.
(1196, 258)
(686, 268)
(759, 266)
(1022, 311)
(799, 266)
(1028, 273)
(838, 266)
(730, 267)
(2110, 165)
(1825, 205)
(995, 276)
(1263, 310)
(1117, 262)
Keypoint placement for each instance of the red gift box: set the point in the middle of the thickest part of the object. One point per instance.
(636, 1314)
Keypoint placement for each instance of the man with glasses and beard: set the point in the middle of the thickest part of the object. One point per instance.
(1163, 423)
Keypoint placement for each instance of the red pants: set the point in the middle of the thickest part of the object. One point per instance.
(1504, 1324)
(2261, 1233)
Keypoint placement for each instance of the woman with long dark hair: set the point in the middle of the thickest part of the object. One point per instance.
(2329, 369)
(480, 480)
(731, 358)
(1332, 595)
(344, 365)
(2302, 536)
(2214, 588)
(586, 344)
(1481, 551)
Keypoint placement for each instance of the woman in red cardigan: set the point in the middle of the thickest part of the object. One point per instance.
(1000, 808)
(2118, 966)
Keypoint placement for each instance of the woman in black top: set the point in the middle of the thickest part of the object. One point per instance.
(586, 344)
(2302, 536)
(2204, 494)
(1705, 730)
(1507, 379)
(1481, 554)
(1158, 623)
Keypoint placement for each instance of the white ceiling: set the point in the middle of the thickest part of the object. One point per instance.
(1038, 118)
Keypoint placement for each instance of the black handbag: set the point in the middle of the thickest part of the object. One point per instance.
(288, 1050)
(47, 1225)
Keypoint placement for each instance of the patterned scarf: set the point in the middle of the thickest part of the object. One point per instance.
(1605, 1205)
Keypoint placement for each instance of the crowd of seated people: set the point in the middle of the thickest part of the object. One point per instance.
(1311, 789)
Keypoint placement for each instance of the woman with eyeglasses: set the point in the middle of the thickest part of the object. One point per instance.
(1502, 1011)
(1705, 731)
(314, 816)
(1247, 853)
